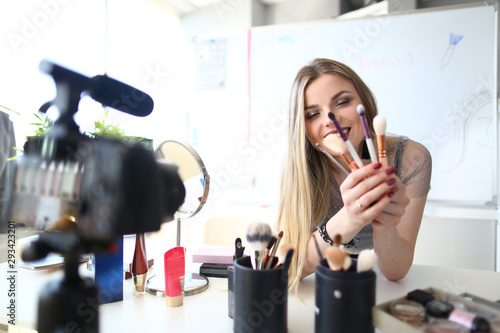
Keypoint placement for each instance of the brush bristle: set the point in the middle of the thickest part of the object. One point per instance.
(271, 242)
(347, 262)
(361, 109)
(337, 239)
(335, 143)
(366, 260)
(379, 124)
(258, 235)
(331, 116)
(335, 258)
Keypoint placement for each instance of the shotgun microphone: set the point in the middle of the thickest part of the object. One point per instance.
(102, 88)
(120, 96)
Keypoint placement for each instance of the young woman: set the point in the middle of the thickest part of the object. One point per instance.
(371, 207)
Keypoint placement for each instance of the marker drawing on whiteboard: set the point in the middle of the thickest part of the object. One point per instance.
(454, 39)
(463, 116)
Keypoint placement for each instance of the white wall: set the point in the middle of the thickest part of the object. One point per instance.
(34, 30)
(223, 16)
(292, 11)
(147, 48)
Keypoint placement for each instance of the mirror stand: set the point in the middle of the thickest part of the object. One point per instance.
(194, 283)
(191, 168)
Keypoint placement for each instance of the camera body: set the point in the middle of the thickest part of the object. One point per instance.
(124, 190)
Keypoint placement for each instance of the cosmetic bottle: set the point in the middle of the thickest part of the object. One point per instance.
(174, 264)
(139, 265)
(470, 320)
(107, 269)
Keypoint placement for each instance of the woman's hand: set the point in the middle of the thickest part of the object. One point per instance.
(392, 213)
(370, 193)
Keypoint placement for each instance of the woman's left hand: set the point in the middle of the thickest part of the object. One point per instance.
(392, 213)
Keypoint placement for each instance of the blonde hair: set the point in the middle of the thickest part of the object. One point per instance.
(306, 176)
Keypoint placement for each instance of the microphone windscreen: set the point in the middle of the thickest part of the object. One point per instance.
(120, 96)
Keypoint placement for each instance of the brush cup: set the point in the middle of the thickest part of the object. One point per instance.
(260, 298)
(344, 300)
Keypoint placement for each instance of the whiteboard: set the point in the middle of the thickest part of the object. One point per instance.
(433, 74)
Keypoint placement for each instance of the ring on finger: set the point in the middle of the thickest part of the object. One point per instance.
(359, 204)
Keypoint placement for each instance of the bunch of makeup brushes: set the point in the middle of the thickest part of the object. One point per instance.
(341, 144)
(339, 260)
(265, 246)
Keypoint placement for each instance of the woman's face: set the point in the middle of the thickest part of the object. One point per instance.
(332, 93)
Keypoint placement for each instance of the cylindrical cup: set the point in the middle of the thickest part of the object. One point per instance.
(260, 298)
(230, 291)
(344, 300)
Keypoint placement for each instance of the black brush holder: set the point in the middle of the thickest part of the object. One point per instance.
(260, 297)
(344, 300)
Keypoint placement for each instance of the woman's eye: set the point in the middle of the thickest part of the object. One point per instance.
(342, 102)
(311, 114)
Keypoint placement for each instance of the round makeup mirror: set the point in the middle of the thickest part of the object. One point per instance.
(197, 183)
(192, 172)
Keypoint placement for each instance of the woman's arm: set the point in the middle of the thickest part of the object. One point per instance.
(394, 238)
(336, 225)
(394, 230)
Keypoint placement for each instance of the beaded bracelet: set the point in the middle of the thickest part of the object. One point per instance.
(324, 234)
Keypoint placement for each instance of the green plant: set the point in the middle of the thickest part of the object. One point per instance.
(104, 130)
(101, 130)
(109, 131)
(43, 126)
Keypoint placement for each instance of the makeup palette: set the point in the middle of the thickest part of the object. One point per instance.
(438, 311)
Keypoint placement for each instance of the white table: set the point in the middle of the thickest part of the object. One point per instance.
(207, 312)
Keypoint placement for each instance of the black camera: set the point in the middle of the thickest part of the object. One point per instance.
(111, 187)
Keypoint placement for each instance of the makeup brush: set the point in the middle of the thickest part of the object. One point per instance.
(332, 159)
(258, 236)
(354, 155)
(335, 143)
(267, 251)
(335, 258)
(368, 137)
(347, 262)
(366, 260)
(282, 252)
(337, 240)
(380, 124)
(270, 258)
(239, 249)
